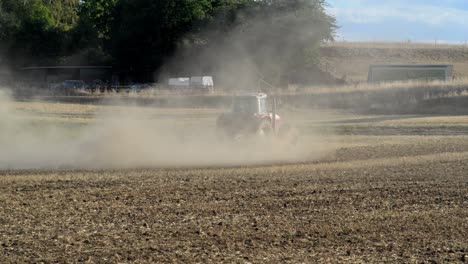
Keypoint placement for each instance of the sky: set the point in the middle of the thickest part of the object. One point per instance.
(397, 20)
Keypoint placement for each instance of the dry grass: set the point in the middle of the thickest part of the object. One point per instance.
(316, 121)
(443, 86)
(376, 198)
(413, 97)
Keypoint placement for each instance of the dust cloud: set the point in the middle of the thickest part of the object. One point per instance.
(132, 139)
(238, 59)
(259, 51)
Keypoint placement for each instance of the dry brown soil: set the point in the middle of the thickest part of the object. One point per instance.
(375, 198)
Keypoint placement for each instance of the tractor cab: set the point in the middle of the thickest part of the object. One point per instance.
(252, 104)
(250, 117)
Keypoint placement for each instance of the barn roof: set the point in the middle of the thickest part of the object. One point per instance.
(66, 67)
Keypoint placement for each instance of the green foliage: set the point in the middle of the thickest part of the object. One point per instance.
(7, 23)
(64, 13)
(146, 31)
(99, 14)
(144, 35)
(29, 29)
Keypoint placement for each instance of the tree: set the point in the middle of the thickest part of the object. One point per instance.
(64, 13)
(272, 37)
(146, 33)
(30, 31)
(99, 14)
(7, 23)
(40, 31)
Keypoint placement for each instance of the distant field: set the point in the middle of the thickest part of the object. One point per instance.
(371, 188)
(352, 60)
(415, 97)
(308, 120)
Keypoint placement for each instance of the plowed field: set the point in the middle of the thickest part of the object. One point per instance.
(371, 196)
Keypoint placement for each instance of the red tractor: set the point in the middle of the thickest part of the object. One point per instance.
(250, 118)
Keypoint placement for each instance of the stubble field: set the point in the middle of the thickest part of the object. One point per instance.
(367, 189)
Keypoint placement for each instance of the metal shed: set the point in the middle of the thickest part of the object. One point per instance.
(391, 73)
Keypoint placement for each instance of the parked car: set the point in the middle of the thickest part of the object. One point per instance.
(179, 83)
(138, 87)
(74, 84)
(71, 87)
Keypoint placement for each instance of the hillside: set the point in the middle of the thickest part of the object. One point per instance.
(352, 60)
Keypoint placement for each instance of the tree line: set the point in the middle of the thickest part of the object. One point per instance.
(164, 36)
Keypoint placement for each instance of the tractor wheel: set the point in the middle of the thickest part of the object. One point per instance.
(264, 128)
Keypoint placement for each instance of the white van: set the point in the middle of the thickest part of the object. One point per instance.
(202, 82)
(181, 82)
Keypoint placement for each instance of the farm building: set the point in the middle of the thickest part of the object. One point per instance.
(391, 73)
